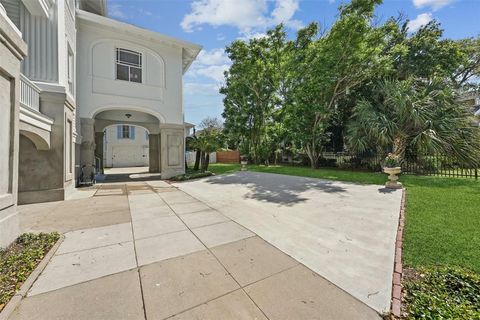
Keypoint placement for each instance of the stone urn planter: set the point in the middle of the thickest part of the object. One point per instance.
(243, 163)
(392, 182)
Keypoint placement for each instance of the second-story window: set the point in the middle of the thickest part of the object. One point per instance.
(129, 65)
(71, 71)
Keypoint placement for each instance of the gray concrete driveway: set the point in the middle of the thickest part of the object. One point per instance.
(147, 250)
(343, 231)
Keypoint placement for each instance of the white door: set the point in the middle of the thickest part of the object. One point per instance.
(128, 156)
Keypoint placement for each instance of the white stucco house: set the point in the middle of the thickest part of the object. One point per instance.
(125, 146)
(79, 73)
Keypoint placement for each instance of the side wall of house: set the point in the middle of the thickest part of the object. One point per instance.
(50, 64)
(12, 51)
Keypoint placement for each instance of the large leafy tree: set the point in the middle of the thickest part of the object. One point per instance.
(418, 115)
(302, 92)
(324, 69)
(425, 55)
(469, 69)
(251, 90)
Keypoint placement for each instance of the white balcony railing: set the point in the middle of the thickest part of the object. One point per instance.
(29, 94)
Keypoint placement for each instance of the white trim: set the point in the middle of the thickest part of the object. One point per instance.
(6, 200)
(38, 7)
(35, 119)
(96, 111)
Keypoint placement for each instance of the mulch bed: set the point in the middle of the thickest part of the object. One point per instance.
(19, 259)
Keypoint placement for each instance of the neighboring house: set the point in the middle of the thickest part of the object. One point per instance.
(125, 146)
(189, 129)
(80, 73)
(472, 100)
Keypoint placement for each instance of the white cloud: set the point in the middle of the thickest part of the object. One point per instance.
(206, 89)
(213, 72)
(419, 21)
(246, 15)
(283, 13)
(212, 57)
(252, 35)
(210, 64)
(116, 11)
(123, 12)
(434, 4)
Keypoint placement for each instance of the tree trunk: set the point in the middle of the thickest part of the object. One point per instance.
(202, 161)
(313, 155)
(197, 160)
(313, 161)
(206, 162)
(399, 147)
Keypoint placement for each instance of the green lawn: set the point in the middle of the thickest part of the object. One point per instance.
(442, 214)
(221, 168)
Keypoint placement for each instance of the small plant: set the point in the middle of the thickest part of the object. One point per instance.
(19, 260)
(192, 175)
(443, 293)
(391, 161)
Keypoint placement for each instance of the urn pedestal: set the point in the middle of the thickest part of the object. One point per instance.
(243, 164)
(392, 182)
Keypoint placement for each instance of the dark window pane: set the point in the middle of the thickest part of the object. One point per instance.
(130, 58)
(135, 74)
(126, 132)
(122, 72)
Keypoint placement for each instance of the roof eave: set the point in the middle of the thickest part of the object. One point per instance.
(192, 48)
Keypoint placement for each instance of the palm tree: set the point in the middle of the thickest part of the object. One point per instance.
(193, 145)
(415, 115)
(208, 140)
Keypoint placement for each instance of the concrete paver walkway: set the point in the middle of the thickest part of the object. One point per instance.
(173, 256)
(344, 231)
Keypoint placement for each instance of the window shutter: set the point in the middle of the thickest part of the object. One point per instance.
(132, 132)
(119, 132)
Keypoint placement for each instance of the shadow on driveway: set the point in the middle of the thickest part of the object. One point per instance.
(279, 189)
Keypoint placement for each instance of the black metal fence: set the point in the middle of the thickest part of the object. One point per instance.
(438, 165)
(413, 164)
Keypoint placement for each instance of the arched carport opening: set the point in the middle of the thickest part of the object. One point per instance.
(128, 129)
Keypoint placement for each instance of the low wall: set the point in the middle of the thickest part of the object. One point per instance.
(190, 156)
(228, 156)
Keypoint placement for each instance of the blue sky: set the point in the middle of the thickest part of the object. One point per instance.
(214, 24)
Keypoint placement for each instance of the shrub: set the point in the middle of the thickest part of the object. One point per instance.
(325, 162)
(443, 293)
(192, 175)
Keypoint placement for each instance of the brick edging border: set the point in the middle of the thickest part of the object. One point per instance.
(22, 292)
(396, 306)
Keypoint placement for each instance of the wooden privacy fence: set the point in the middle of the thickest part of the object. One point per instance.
(228, 156)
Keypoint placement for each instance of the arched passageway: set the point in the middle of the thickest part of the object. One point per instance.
(120, 138)
(165, 141)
